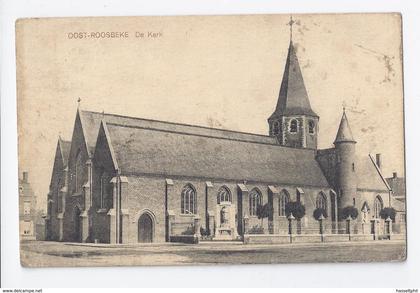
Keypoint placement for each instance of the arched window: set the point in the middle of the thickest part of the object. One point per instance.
(104, 188)
(254, 201)
(224, 195)
(78, 170)
(293, 126)
(378, 205)
(321, 201)
(283, 200)
(276, 127)
(311, 127)
(188, 200)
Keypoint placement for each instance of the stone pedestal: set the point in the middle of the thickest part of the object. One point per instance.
(211, 223)
(112, 226)
(84, 222)
(60, 226)
(246, 225)
(125, 224)
(170, 217)
(225, 222)
(197, 226)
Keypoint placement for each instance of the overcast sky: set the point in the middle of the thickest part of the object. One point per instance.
(219, 71)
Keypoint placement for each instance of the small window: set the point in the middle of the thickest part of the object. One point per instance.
(352, 166)
(311, 126)
(276, 127)
(224, 195)
(293, 126)
(27, 208)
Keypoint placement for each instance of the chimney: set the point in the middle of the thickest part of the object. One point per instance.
(378, 161)
(25, 177)
(394, 175)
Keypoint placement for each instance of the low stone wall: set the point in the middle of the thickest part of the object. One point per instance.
(361, 237)
(189, 239)
(335, 237)
(266, 239)
(398, 237)
(310, 238)
(306, 238)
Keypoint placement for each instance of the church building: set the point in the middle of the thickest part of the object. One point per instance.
(127, 180)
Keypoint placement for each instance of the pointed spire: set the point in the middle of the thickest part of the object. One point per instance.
(293, 98)
(344, 133)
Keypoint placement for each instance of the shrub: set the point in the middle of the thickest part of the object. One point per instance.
(264, 211)
(388, 212)
(256, 230)
(204, 232)
(296, 208)
(349, 211)
(318, 212)
(188, 231)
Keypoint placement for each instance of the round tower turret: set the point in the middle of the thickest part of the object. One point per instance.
(346, 180)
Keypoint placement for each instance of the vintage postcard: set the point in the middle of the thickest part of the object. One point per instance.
(187, 140)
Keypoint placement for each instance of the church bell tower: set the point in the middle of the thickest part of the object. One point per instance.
(293, 122)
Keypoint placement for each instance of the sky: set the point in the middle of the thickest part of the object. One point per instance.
(217, 71)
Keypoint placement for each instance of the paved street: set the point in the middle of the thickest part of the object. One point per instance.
(40, 253)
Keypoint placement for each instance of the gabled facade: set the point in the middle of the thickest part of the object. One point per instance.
(78, 200)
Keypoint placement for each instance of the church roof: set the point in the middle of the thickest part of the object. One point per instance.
(368, 175)
(65, 150)
(171, 153)
(344, 133)
(92, 120)
(293, 98)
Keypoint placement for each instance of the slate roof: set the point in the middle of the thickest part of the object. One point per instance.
(368, 176)
(141, 150)
(344, 133)
(65, 150)
(398, 205)
(293, 98)
(92, 120)
(397, 185)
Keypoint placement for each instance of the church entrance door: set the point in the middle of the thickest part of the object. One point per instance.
(145, 229)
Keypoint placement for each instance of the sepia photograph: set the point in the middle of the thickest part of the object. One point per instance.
(208, 140)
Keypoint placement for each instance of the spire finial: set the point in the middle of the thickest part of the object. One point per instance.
(344, 106)
(291, 23)
(78, 102)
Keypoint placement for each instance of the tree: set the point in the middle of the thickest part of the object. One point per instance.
(318, 212)
(349, 211)
(296, 208)
(388, 213)
(264, 211)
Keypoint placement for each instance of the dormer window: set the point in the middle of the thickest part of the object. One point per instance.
(293, 126)
(311, 126)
